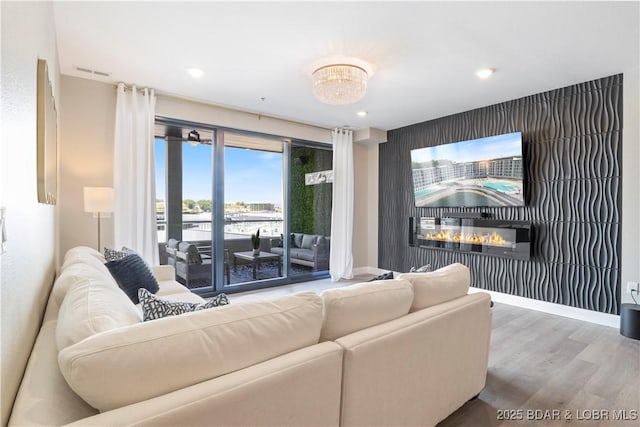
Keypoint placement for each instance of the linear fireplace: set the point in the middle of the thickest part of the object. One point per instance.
(509, 239)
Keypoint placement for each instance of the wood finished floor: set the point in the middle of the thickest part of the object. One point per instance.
(543, 362)
(538, 361)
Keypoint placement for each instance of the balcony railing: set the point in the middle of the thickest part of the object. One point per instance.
(197, 230)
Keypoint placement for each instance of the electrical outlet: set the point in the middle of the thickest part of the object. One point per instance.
(633, 287)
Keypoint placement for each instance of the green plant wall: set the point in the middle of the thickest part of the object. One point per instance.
(310, 204)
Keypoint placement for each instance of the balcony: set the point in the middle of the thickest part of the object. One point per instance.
(237, 232)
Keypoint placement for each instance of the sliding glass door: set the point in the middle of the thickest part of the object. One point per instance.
(184, 204)
(253, 207)
(239, 210)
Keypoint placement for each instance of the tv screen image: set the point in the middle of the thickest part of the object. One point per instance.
(477, 173)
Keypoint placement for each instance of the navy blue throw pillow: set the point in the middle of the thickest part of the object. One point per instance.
(131, 273)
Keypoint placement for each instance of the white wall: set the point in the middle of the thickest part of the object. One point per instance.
(86, 147)
(365, 225)
(360, 205)
(87, 126)
(218, 116)
(27, 266)
(630, 262)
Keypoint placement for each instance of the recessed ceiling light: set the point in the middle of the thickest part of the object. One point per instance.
(195, 72)
(362, 113)
(485, 73)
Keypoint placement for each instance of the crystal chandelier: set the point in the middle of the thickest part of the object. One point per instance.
(339, 84)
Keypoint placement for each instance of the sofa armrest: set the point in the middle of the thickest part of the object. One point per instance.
(163, 273)
(275, 243)
(462, 329)
(320, 256)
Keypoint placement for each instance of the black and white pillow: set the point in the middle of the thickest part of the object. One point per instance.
(157, 308)
(114, 254)
(132, 273)
(385, 276)
(424, 269)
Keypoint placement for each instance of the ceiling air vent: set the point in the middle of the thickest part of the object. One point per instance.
(90, 71)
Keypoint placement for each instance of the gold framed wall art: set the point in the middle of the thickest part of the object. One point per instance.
(47, 136)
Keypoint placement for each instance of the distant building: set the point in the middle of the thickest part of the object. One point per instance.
(505, 167)
(260, 207)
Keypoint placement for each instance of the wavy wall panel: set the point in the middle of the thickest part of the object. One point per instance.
(572, 148)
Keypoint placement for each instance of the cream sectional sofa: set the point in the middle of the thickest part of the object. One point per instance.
(407, 351)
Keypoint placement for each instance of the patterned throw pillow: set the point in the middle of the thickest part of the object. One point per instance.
(424, 269)
(132, 273)
(114, 254)
(385, 276)
(157, 308)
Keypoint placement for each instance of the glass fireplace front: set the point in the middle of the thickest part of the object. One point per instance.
(511, 239)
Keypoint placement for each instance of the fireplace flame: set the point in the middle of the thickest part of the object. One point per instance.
(493, 239)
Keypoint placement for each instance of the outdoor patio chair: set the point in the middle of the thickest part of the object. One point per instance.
(191, 265)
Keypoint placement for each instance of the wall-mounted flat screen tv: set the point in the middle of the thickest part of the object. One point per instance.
(477, 173)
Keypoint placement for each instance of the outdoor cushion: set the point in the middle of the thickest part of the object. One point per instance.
(277, 250)
(297, 240)
(191, 251)
(305, 254)
(308, 240)
(173, 243)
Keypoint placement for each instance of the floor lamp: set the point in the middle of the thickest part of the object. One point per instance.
(98, 200)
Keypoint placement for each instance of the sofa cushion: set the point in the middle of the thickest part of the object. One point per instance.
(360, 306)
(156, 308)
(438, 286)
(277, 250)
(79, 257)
(297, 240)
(86, 250)
(132, 273)
(92, 306)
(74, 275)
(175, 352)
(308, 240)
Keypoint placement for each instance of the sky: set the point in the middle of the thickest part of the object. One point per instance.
(251, 176)
(492, 147)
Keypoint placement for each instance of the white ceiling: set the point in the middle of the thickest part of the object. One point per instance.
(423, 54)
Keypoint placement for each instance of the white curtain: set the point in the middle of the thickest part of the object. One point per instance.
(341, 257)
(133, 173)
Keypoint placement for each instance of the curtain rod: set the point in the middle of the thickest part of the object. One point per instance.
(130, 87)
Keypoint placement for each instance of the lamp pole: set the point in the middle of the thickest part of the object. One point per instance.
(99, 250)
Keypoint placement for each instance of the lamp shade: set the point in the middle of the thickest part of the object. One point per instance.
(98, 199)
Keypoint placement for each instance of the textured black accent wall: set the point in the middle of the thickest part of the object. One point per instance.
(572, 151)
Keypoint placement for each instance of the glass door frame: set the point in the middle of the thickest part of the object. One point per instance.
(218, 216)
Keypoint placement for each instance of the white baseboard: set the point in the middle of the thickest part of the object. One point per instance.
(605, 319)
